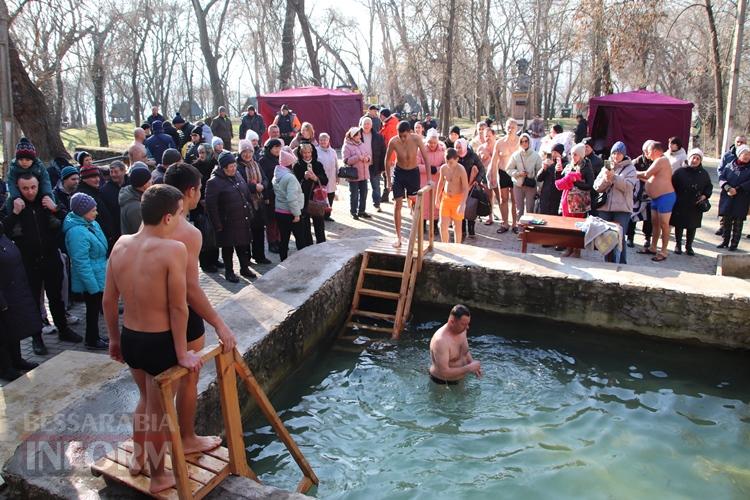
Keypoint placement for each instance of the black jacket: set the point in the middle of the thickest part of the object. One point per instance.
(549, 195)
(471, 159)
(103, 217)
(37, 233)
(378, 154)
(228, 204)
(299, 170)
(689, 184)
(268, 164)
(110, 194)
(19, 312)
(581, 130)
(62, 199)
(254, 123)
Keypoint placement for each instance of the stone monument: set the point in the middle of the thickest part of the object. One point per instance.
(520, 93)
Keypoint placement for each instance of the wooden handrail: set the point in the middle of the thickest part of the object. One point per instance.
(177, 372)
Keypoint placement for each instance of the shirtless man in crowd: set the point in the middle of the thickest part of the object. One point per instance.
(659, 187)
(450, 195)
(500, 182)
(147, 270)
(187, 179)
(137, 150)
(405, 178)
(449, 350)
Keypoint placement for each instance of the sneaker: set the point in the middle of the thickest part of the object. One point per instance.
(49, 329)
(99, 345)
(69, 335)
(37, 344)
(263, 261)
(71, 319)
(246, 273)
(365, 215)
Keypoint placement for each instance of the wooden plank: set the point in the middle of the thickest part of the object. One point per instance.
(177, 372)
(360, 280)
(304, 485)
(220, 453)
(217, 479)
(364, 326)
(374, 315)
(230, 408)
(384, 272)
(264, 404)
(118, 473)
(379, 293)
(207, 462)
(196, 473)
(179, 467)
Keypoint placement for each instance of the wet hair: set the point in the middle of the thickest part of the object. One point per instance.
(675, 140)
(657, 146)
(557, 128)
(404, 126)
(451, 154)
(183, 176)
(158, 201)
(459, 311)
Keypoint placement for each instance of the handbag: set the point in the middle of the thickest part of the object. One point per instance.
(318, 205)
(601, 199)
(704, 206)
(483, 208)
(578, 200)
(529, 182)
(348, 172)
(470, 210)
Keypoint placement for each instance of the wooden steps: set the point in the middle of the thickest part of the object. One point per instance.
(384, 272)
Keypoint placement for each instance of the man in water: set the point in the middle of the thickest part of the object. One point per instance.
(405, 178)
(449, 349)
(659, 188)
(147, 270)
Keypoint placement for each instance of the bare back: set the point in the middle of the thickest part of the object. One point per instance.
(141, 267)
(137, 152)
(443, 343)
(659, 178)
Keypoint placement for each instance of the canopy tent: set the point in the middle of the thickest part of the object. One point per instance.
(634, 117)
(329, 110)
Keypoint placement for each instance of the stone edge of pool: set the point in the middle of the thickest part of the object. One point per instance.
(278, 326)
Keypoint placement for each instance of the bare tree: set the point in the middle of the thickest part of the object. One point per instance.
(210, 47)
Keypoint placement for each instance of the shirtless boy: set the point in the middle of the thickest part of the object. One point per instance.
(500, 182)
(147, 270)
(659, 187)
(405, 177)
(187, 179)
(451, 192)
(449, 350)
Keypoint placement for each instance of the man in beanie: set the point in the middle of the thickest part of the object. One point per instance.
(111, 193)
(90, 181)
(170, 157)
(221, 126)
(184, 129)
(159, 141)
(26, 161)
(252, 121)
(130, 198)
(35, 230)
(190, 151)
(69, 180)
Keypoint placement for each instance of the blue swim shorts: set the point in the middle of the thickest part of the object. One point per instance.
(664, 203)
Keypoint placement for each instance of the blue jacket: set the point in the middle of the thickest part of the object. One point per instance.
(159, 141)
(87, 249)
(738, 177)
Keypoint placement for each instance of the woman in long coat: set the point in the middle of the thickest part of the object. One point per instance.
(692, 185)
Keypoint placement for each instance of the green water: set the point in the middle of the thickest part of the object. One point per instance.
(560, 413)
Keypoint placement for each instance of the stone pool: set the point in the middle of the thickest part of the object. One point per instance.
(561, 412)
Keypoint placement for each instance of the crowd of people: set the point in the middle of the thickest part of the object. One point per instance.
(66, 218)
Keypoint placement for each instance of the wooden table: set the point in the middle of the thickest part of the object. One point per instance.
(558, 231)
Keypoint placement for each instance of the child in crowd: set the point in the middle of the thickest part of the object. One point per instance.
(26, 161)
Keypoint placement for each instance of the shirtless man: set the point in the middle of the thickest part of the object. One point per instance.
(451, 192)
(500, 181)
(658, 179)
(405, 178)
(137, 150)
(187, 179)
(449, 350)
(485, 153)
(147, 270)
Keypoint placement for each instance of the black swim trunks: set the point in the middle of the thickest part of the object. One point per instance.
(405, 181)
(440, 381)
(505, 179)
(195, 326)
(150, 352)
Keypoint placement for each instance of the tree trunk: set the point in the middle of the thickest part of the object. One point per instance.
(718, 84)
(32, 112)
(445, 100)
(411, 61)
(312, 55)
(335, 54)
(98, 74)
(729, 123)
(287, 47)
(217, 89)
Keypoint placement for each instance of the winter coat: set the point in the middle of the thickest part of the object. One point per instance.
(620, 190)
(689, 184)
(307, 185)
(130, 210)
(676, 159)
(434, 159)
(288, 192)
(286, 126)
(228, 204)
(738, 177)
(330, 161)
(184, 135)
(351, 155)
(470, 160)
(159, 142)
(389, 130)
(549, 195)
(36, 232)
(38, 170)
(152, 118)
(378, 146)
(103, 217)
(191, 153)
(728, 158)
(173, 133)
(222, 127)
(255, 196)
(157, 176)
(111, 198)
(581, 130)
(268, 164)
(19, 312)
(254, 123)
(87, 249)
(527, 161)
(62, 199)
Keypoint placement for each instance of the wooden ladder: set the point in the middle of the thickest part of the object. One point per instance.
(197, 474)
(412, 265)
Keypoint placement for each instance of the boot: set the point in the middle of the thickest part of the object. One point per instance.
(689, 243)
(37, 344)
(720, 231)
(736, 234)
(678, 240)
(678, 247)
(231, 277)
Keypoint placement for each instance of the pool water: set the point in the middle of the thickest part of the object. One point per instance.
(560, 413)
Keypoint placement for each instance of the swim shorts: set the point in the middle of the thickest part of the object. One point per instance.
(440, 381)
(405, 181)
(664, 203)
(449, 204)
(150, 352)
(195, 326)
(505, 180)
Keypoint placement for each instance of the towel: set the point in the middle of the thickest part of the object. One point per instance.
(600, 235)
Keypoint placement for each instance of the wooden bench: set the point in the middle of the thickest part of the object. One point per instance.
(558, 231)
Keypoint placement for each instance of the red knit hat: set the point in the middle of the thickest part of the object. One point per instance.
(89, 171)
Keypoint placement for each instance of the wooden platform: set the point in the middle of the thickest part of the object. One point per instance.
(205, 470)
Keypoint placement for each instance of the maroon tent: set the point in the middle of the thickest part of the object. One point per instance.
(634, 117)
(329, 110)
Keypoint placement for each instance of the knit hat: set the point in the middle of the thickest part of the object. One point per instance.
(560, 148)
(24, 149)
(170, 156)
(222, 109)
(139, 174)
(695, 151)
(252, 135)
(619, 147)
(272, 143)
(286, 159)
(177, 119)
(82, 155)
(579, 149)
(385, 112)
(216, 140)
(245, 145)
(432, 133)
(226, 158)
(742, 149)
(90, 171)
(81, 204)
(647, 145)
(455, 130)
(67, 172)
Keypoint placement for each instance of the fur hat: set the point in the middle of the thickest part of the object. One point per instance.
(24, 149)
(560, 148)
(81, 204)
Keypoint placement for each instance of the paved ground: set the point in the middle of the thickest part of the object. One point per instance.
(218, 289)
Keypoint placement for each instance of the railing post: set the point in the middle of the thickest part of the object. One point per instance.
(179, 465)
(230, 409)
(420, 234)
(432, 217)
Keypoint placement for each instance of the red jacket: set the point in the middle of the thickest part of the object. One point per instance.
(389, 131)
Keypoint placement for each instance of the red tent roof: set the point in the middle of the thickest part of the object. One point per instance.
(640, 97)
(311, 92)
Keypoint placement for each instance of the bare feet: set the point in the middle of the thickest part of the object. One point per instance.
(568, 252)
(197, 444)
(397, 243)
(137, 463)
(161, 482)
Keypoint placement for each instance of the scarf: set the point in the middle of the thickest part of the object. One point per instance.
(254, 176)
